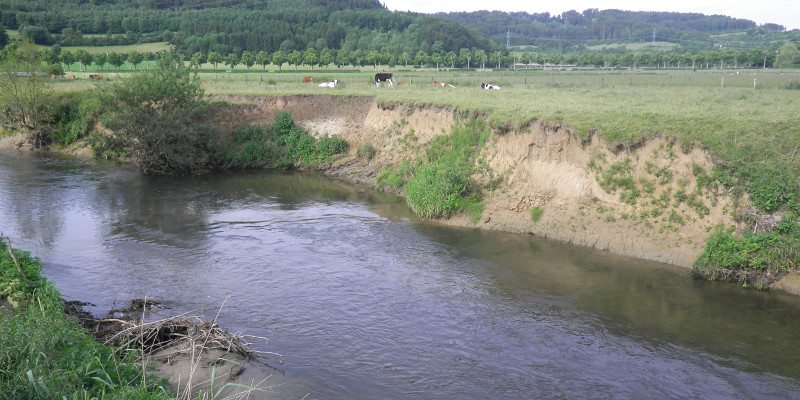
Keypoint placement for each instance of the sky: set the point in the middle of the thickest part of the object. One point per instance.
(782, 12)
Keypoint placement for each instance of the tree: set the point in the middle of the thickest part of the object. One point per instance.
(451, 57)
(3, 36)
(83, 57)
(214, 58)
(480, 55)
(465, 56)
(198, 58)
(67, 59)
(787, 55)
(310, 57)
(247, 59)
(405, 57)
(262, 59)
(420, 58)
(496, 57)
(436, 58)
(295, 58)
(231, 61)
(342, 58)
(25, 91)
(372, 58)
(157, 115)
(325, 57)
(134, 58)
(116, 59)
(100, 59)
(279, 58)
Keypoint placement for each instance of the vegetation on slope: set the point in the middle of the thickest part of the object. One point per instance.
(572, 30)
(47, 355)
(239, 25)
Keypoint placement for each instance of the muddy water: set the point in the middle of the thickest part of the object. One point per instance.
(365, 302)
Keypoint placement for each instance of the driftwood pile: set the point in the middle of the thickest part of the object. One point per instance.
(184, 334)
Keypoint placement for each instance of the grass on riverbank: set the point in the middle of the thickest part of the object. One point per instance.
(46, 355)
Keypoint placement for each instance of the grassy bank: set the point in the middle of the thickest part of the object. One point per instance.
(44, 354)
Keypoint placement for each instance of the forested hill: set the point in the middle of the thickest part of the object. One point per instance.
(571, 30)
(233, 26)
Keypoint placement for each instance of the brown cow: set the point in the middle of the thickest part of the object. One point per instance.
(308, 79)
(402, 83)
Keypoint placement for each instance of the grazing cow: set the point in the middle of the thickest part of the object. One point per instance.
(383, 77)
(331, 84)
(98, 77)
(489, 86)
(308, 79)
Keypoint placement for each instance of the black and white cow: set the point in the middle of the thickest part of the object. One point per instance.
(489, 86)
(383, 77)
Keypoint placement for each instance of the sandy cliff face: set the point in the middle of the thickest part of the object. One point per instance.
(540, 165)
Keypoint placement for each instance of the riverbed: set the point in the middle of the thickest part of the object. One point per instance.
(364, 301)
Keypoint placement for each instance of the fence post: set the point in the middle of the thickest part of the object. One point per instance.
(722, 83)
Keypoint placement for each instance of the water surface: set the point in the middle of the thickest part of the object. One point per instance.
(366, 302)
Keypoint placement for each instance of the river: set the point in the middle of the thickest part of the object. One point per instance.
(364, 301)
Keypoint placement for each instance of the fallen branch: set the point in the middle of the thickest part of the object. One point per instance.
(14, 257)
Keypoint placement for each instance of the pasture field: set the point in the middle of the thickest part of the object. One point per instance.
(154, 47)
(738, 123)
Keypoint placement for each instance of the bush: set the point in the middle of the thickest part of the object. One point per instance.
(536, 213)
(437, 191)
(159, 116)
(366, 150)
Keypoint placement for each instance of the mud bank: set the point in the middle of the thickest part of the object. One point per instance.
(543, 165)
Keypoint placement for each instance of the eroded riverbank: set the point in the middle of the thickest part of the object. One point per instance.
(654, 201)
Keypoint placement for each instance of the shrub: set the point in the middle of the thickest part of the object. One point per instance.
(536, 213)
(437, 191)
(366, 150)
(159, 115)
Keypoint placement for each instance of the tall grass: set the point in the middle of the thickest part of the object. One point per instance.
(46, 355)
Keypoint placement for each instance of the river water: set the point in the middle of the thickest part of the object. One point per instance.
(366, 302)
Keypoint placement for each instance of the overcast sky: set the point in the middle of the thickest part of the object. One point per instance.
(782, 12)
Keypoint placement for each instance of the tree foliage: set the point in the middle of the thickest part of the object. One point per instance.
(25, 91)
(157, 115)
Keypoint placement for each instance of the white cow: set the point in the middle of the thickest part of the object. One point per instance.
(489, 86)
(331, 84)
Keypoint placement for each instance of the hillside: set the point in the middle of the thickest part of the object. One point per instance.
(573, 31)
(234, 26)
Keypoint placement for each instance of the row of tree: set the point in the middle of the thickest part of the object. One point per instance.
(788, 55)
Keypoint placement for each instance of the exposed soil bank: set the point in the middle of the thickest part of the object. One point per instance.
(542, 165)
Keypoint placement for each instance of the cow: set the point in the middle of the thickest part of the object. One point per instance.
(331, 84)
(202, 81)
(442, 84)
(98, 77)
(308, 79)
(402, 83)
(383, 77)
(489, 86)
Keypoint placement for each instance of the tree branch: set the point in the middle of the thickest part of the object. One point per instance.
(14, 257)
